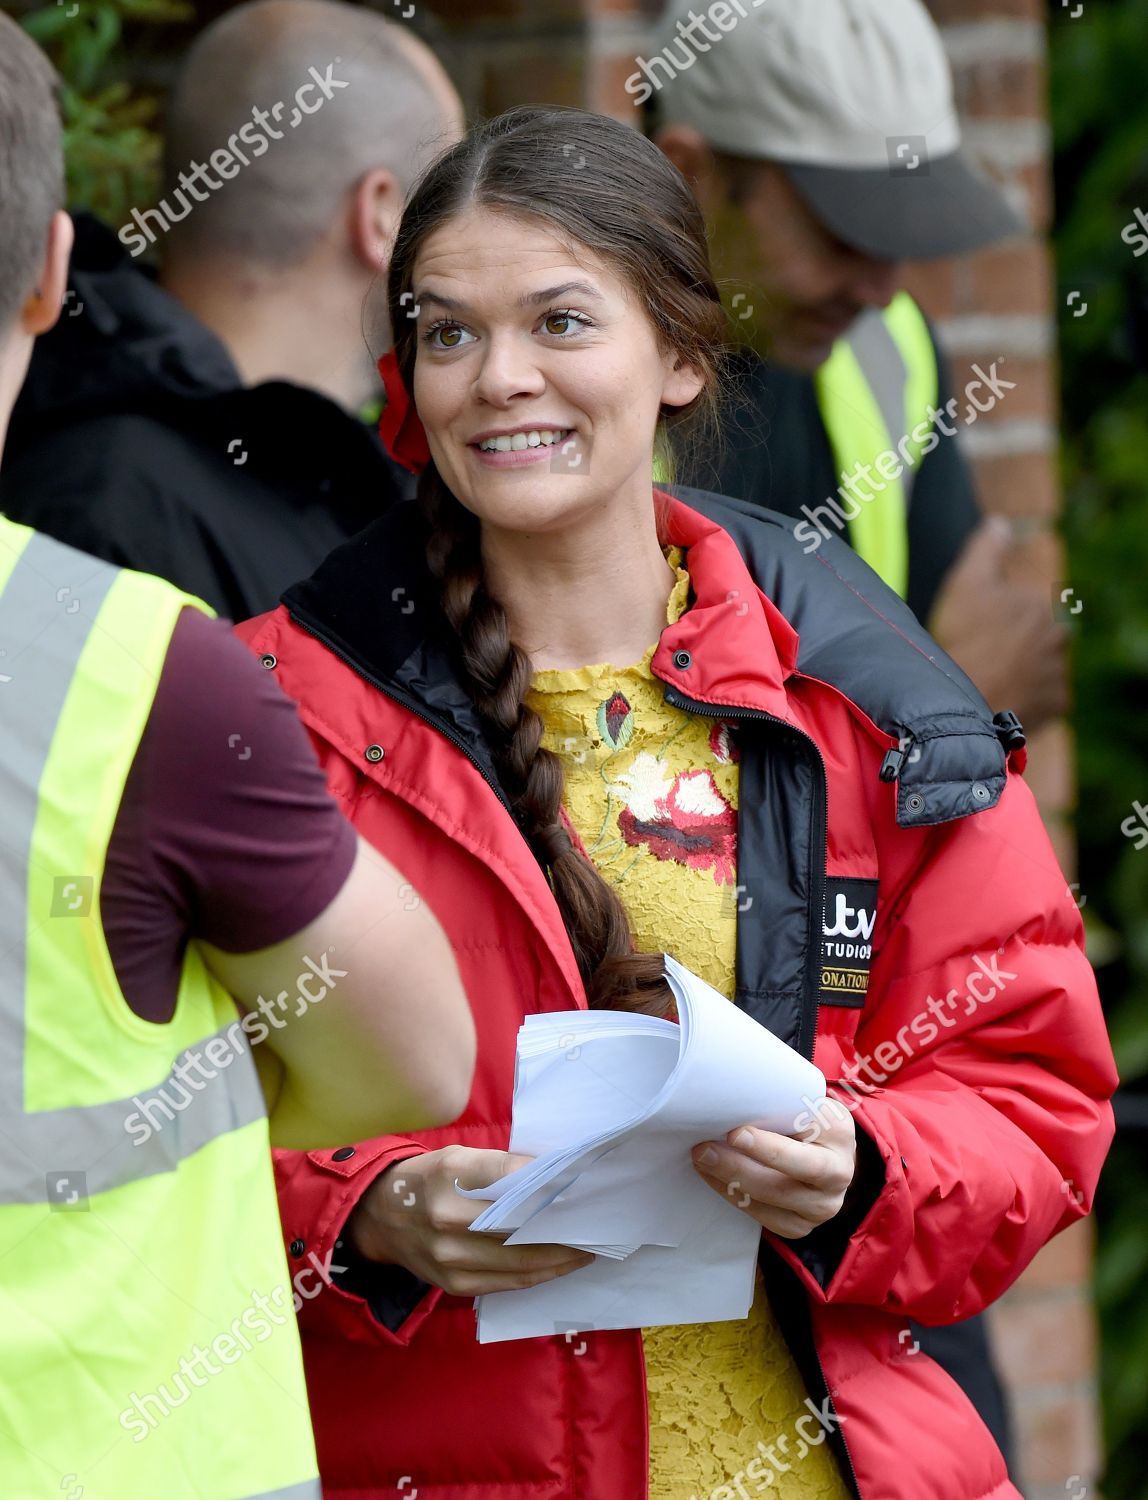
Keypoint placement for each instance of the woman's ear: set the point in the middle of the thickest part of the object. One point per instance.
(684, 382)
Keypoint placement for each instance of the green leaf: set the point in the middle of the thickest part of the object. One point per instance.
(44, 25)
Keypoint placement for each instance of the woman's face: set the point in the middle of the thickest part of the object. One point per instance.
(517, 337)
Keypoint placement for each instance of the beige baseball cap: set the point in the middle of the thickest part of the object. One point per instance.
(854, 98)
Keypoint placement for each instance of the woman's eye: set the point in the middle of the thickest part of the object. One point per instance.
(562, 317)
(448, 335)
(445, 335)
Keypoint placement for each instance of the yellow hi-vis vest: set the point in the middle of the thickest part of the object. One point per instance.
(148, 1344)
(874, 392)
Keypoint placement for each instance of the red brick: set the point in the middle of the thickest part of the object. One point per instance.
(1057, 1432)
(529, 16)
(1005, 88)
(1011, 279)
(1037, 183)
(1064, 1261)
(555, 77)
(933, 284)
(643, 10)
(462, 12)
(1019, 484)
(1033, 396)
(606, 89)
(1044, 1341)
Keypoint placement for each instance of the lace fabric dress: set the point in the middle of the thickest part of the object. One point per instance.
(652, 791)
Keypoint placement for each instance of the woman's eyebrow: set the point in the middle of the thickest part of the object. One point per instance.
(547, 294)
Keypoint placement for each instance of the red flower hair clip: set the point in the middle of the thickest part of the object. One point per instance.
(403, 435)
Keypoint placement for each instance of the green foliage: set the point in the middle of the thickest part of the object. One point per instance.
(1101, 177)
(111, 149)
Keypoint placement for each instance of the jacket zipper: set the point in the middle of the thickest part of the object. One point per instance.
(729, 710)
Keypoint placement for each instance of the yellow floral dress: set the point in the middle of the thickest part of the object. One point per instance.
(652, 791)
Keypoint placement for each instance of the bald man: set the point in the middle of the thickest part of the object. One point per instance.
(200, 419)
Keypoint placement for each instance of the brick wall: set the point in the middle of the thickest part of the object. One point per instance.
(995, 305)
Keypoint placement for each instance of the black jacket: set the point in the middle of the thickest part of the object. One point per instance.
(134, 439)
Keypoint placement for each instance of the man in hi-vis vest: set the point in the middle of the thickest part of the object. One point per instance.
(178, 897)
(823, 144)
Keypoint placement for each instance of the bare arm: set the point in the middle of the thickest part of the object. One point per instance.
(367, 1022)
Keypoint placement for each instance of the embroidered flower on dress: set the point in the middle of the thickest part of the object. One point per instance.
(723, 744)
(686, 819)
(616, 721)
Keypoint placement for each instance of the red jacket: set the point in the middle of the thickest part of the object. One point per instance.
(982, 1108)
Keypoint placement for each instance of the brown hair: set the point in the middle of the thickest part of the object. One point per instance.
(31, 164)
(605, 188)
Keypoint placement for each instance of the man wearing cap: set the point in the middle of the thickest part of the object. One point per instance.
(823, 145)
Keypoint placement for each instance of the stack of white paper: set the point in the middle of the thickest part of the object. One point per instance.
(610, 1104)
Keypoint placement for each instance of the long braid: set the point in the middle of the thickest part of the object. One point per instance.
(498, 674)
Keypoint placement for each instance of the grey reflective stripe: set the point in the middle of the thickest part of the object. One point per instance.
(310, 1489)
(885, 374)
(103, 1146)
(43, 639)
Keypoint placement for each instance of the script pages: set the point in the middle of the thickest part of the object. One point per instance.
(609, 1105)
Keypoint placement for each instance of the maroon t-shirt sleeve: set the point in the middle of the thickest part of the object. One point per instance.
(225, 830)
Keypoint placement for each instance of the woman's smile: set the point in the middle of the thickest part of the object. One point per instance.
(525, 445)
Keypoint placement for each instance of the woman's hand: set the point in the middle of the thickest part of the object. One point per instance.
(788, 1186)
(411, 1216)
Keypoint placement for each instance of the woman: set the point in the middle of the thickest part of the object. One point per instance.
(578, 713)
